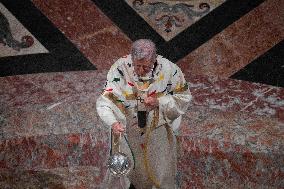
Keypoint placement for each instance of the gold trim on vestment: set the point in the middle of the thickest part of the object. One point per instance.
(132, 96)
(181, 89)
(159, 94)
(145, 150)
(114, 99)
(149, 130)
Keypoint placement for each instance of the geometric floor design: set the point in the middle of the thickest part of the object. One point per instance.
(231, 136)
(18, 40)
(169, 18)
(268, 68)
(135, 27)
(62, 56)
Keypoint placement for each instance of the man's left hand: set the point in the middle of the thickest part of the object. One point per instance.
(151, 102)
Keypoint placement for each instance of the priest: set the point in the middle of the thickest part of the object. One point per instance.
(142, 105)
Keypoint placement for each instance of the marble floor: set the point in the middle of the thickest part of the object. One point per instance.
(54, 57)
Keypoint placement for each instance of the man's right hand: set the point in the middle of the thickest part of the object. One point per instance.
(117, 128)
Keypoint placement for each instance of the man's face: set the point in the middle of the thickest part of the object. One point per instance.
(142, 67)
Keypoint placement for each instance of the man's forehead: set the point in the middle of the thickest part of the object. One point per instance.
(143, 62)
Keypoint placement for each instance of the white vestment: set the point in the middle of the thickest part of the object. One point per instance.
(152, 150)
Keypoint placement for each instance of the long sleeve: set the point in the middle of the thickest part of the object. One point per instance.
(109, 105)
(105, 110)
(176, 102)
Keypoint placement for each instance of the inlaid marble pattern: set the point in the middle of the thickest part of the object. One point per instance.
(169, 18)
(239, 44)
(15, 39)
(88, 28)
(62, 56)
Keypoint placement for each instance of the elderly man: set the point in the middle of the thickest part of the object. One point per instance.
(142, 103)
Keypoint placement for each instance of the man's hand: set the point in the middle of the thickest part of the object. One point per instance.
(117, 128)
(151, 102)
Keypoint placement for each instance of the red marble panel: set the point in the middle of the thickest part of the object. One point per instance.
(88, 28)
(232, 134)
(104, 48)
(230, 150)
(238, 44)
(216, 93)
(216, 149)
(51, 151)
(254, 132)
(18, 179)
(60, 118)
(233, 95)
(73, 177)
(43, 104)
(207, 163)
(45, 89)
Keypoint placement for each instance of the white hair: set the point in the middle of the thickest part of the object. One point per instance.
(143, 49)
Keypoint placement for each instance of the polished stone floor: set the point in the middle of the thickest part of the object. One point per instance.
(50, 134)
